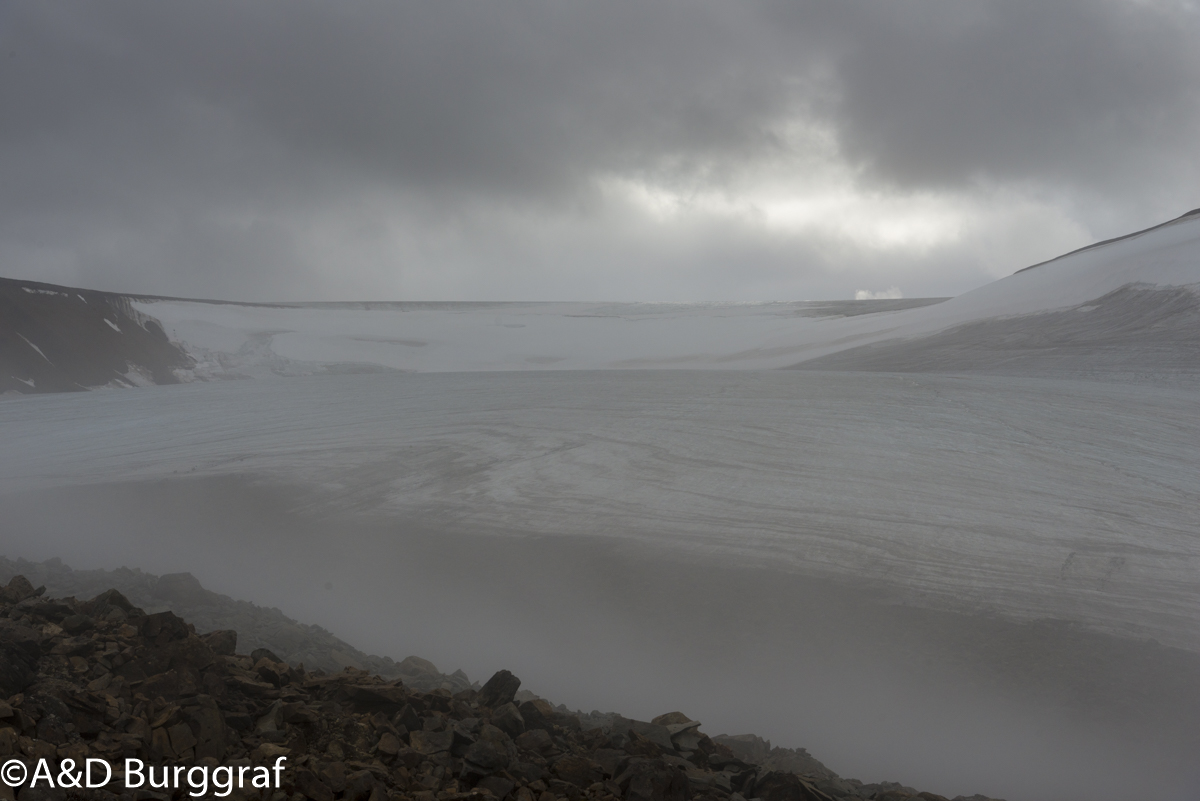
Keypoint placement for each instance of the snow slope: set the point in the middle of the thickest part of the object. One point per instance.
(240, 340)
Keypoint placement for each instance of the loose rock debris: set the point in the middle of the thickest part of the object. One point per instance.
(102, 679)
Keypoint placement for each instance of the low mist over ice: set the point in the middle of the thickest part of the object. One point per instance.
(872, 687)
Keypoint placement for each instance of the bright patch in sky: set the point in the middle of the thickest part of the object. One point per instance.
(870, 221)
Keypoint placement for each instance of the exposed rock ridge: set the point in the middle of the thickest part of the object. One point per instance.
(103, 679)
(63, 339)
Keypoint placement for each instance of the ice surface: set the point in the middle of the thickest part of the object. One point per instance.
(1026, 496)
(245, 340)
(249, 340)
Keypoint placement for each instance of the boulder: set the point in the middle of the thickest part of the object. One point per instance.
(654, 780)
(537, 741)
(18, 590)
(418, 666)
(537, 714)
(163, 627)
(508, 719)
(311, 787)
(105, 602)
(496, 785)
(263, 653)
(500, 689)
(612, 761)
(685, 736)
(487, 755)
(780, 786)
(76, 624)
(578, 770)
(223, 642)
(386, 698)
(431, 742)
(389, 744)
(653, 732)
(16, 669)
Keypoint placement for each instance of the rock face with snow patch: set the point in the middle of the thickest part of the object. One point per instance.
(58, 339)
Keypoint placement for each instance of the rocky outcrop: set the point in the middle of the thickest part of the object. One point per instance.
(62, 339)
(257, 626)
(106, 680)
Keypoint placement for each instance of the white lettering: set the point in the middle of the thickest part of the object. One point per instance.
(107, 772)
(201, 788)
(42, 771)
(129, 768)
(226, 785)
(67, 777)
(166, 782)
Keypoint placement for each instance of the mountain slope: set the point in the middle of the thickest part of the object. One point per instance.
(59, 339)
(1137, 331)
(1129, 306)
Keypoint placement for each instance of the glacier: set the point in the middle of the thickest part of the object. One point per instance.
(535, 480)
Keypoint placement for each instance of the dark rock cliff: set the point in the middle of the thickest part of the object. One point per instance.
(61, 339)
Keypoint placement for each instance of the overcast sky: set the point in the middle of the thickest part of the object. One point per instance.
(605, 150)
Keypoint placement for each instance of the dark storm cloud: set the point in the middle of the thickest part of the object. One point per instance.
(1078, 91)
(442, 95)
(191, 145)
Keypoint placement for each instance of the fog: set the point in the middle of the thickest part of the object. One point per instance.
(874, 689)
(270, 494)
